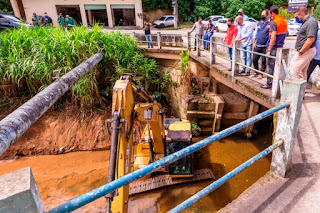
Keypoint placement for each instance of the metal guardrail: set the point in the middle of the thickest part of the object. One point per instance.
(256, 53)
(253, 69)
(224, 179)
(105, 189)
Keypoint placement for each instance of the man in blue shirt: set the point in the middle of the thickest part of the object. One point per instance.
(316, 60)
(260, 39)
(245, 34)
(35, 20)
(240, 13)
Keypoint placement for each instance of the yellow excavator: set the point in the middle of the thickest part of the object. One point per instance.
(160, 137)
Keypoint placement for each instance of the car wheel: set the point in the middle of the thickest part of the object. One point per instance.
(217, 29)
(161, 25)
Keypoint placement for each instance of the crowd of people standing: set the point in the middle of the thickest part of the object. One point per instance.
(270, 34)
(66, 22)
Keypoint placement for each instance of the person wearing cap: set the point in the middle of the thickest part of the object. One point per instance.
(260, 39)
(240, 13)
(199, 28)
(277, 35)
(305, 44)
(316, 60)
(245, 35)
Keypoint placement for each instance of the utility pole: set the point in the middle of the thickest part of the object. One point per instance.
(175, 13)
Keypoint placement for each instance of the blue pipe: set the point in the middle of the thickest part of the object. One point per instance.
(249, 51)
(125, 180)
(224, 179)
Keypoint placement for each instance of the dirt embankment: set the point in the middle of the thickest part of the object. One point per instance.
(67, 128)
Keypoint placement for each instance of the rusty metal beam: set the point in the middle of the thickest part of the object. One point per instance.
(15, 124)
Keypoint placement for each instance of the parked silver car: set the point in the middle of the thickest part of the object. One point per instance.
(164, 21)
(214, 19)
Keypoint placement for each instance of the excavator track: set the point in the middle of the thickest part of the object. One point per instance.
(165, 180)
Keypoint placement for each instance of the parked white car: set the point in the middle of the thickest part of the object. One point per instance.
(293, 28)
(221, 25)
(164, 21)
(214, 19)
(253, 22)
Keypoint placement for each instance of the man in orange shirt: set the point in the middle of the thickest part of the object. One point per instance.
(232, 32)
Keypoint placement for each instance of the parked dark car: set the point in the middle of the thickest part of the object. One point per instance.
(10, 21)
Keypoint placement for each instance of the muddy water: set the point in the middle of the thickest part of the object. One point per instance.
(63, 177)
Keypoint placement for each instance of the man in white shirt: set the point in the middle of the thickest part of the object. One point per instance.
(245, 35)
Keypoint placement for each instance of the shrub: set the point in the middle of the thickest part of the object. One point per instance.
(28, 58)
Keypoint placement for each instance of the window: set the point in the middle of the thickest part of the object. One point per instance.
(162, 18)
(207, 19)
(170, 19)
(223, 21)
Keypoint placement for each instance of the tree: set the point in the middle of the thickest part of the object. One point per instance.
(5, 6)
(251, 8)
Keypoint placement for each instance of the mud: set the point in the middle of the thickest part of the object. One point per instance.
(63, 177)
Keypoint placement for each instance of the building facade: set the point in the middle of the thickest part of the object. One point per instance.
(106, 12)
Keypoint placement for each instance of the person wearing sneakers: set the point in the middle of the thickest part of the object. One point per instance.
(277, 35)
(260, 39)
(245, 35)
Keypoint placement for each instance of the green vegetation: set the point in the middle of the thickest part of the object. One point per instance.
(28, 58)
(5, 7)
(190, 10)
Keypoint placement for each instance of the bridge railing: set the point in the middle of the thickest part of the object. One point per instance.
(195, 42)
(289, 111)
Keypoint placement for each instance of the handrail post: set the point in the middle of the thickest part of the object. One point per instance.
(212, 51)
(188, 40)
(279, 73)
(159, 40)
(235, 58)
(287, 124)
(198, 44)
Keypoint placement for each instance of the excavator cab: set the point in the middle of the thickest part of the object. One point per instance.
(179, 136)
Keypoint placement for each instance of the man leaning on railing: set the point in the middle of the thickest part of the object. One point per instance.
(199, 28)
(277, 35)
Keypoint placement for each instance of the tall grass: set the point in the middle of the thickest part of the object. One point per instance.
(28, 58)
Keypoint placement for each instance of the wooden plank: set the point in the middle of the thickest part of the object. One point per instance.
(253, 110)
(200, 114)
(235, 115)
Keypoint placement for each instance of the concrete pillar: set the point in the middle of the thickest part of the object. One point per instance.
(188, 40)
(83, 15)
(159, 39)
(110, 15)
(279, 73)
(139, 13)
(90, 17)
(15, 8)
(212, 51)
(19, 192)
(235, 58)
(198, 45)
(287, 125)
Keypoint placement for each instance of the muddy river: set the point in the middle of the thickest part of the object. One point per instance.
(63, 177)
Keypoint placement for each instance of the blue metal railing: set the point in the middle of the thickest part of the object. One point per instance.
(224, 179)
(125, 180)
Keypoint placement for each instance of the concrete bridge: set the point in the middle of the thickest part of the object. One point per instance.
(299, 190)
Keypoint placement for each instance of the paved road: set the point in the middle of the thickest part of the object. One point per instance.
(289, 43)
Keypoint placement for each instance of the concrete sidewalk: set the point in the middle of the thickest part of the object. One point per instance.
(300, 190)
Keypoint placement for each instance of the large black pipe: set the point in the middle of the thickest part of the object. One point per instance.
(113, 156)
(15, 124)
